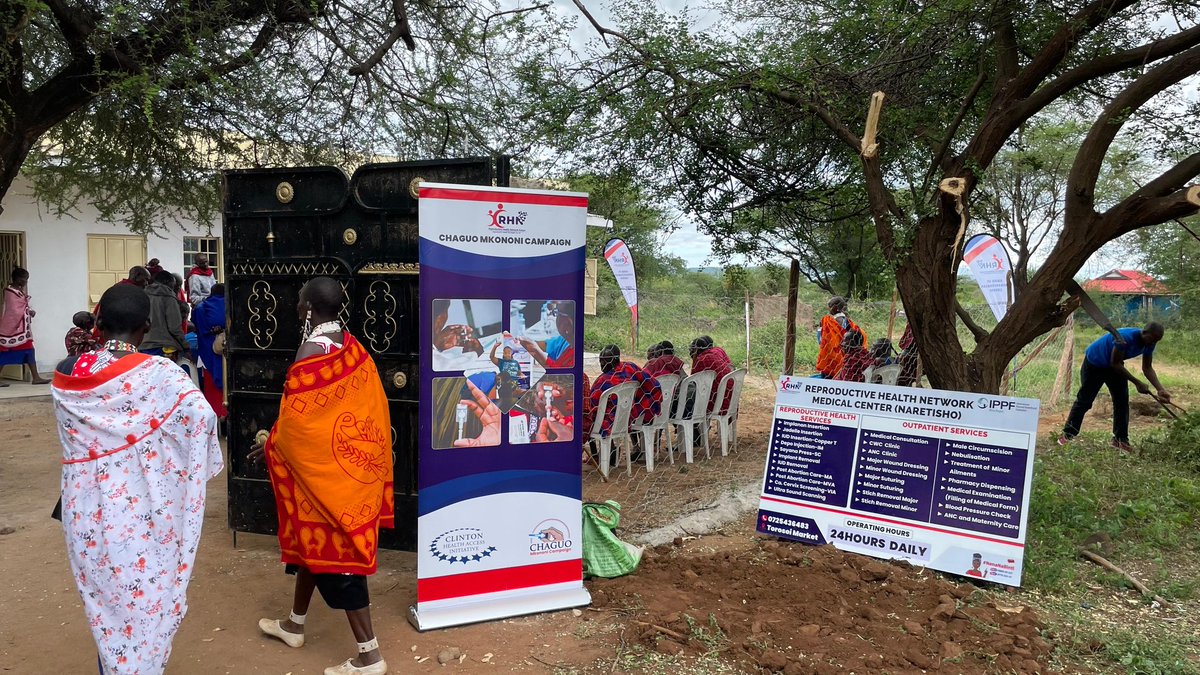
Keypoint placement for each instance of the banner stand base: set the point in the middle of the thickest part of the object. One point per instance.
(488, 610)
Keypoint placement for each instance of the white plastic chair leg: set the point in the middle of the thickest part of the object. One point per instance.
(605, 449)
(649, 441)
(707, 446)
(688, 450)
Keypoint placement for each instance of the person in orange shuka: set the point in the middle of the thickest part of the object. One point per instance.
(834, 327)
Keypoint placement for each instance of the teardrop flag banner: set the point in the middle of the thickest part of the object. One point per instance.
(621, 261)
(988, 261)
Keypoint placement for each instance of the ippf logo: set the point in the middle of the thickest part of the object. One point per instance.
(549, 537)
(504, 220)
(996, 404)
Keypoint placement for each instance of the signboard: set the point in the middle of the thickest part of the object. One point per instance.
(621, 261)
(499, 525)
(988, 261)
(939, 478)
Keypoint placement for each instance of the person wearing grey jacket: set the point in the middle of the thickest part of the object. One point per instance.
(165, 337)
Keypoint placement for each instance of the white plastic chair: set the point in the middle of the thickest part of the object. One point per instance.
(622, 397)
(699, 387)
(649, 431)
(192, 370)
(731, 384)
(883, 374)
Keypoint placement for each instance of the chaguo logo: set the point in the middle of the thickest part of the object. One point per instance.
(550, 536)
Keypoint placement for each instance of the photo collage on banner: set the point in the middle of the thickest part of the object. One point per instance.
(500, 484)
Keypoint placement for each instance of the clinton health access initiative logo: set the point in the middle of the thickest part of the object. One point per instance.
(549, 537)
(464, 545)
(505, 221)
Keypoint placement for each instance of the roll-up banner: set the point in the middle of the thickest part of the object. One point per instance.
(988, 261)
(500, 488)
(621, 261)
(938, 478)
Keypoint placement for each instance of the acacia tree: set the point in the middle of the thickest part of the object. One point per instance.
(960, 78)
(135, 105)
(1022, 196)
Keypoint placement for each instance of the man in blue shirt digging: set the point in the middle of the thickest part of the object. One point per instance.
(1104, 365)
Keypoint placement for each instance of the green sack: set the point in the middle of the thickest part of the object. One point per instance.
(603, 554)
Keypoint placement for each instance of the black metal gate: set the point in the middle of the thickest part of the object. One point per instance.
(283, 227)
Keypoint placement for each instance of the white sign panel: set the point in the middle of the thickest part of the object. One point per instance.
(939, 478)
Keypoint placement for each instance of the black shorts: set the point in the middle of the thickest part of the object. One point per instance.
(340, 591)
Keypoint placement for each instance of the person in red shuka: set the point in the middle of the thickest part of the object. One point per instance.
(855, 358)
(706, 356)
(647, 402)
(661, 360)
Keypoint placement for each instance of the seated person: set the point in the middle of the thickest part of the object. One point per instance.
(855, 358)
(647, 402)
(834, 326)
(80, 339)
(662, 361)
(706, 356)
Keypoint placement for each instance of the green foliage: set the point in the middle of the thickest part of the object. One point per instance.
(636, 219)
(1141, 656)
(138, 118)
(1171, 254)
(1178, 442)
(1148, 505)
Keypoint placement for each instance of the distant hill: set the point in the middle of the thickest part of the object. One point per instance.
(710, 271)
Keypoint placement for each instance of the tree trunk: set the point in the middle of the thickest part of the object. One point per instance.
(14, 148)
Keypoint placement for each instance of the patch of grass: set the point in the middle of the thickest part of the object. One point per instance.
(1178, 442)
(711, 636)
(1140, 655)
(1145, 504)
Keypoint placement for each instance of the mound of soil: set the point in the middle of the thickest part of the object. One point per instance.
(791, 608)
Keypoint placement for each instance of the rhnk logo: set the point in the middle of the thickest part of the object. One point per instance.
(788, 385)
(503, 220)
(996, 264)
(550, 536)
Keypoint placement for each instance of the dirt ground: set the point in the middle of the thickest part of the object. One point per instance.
(727, 602)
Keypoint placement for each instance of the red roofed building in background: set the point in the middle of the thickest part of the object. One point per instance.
(1146, 297)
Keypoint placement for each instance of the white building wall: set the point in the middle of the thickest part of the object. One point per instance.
(56, 257)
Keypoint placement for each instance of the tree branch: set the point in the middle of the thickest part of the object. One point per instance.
(1179, 204)
(1108, 65)
(77, 23)
(400, 31)
(1081, 182)
(262, 40)
(1059, 46)
(944, 146)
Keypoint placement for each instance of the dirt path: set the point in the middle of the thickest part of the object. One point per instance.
(772, 605)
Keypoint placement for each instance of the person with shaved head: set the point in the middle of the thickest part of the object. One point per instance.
(200, 280)
(329, 457)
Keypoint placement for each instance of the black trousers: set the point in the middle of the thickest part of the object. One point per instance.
(340, 591)
(1091, 378)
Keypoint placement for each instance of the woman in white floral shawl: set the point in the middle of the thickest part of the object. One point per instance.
(139, 444)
